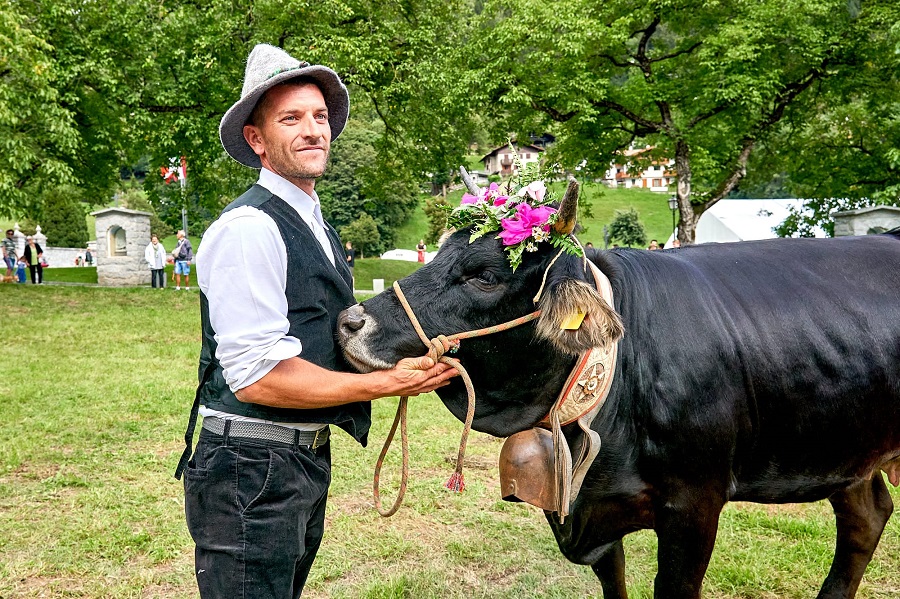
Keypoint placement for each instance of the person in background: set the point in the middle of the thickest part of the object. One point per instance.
(421, 247)
(155, 255)
(350, 255)
(33, 254)
(88, 257)
(183, 254)
(676, 243)
(20, 269)
(272, 378)
(9, 253)
(654, 245)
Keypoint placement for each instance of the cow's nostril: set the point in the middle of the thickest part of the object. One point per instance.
(351, 320)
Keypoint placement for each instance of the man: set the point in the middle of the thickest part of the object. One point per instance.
(88, 258)
(271, 377)
(9, 254)
(183, 254)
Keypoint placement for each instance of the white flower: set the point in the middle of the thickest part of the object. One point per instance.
(535, 189)
(531, 247)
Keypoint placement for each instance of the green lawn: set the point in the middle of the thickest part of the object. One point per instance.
(366, 270)
(94, 409)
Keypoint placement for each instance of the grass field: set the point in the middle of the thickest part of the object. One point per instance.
(95, 395)
(366, 270)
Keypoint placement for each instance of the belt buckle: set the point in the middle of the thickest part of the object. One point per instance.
(315, 443)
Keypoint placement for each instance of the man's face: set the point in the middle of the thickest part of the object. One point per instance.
(293, 138)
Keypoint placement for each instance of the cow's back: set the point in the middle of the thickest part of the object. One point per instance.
(777, 362)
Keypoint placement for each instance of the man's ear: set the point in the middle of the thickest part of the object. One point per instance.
(254, 139)
(562, 307)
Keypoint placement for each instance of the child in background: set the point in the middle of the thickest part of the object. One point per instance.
(20, 269)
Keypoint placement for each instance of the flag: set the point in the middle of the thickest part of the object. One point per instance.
(182, 172)
(175, 171)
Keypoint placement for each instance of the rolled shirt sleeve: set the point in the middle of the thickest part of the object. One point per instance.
(242, 270)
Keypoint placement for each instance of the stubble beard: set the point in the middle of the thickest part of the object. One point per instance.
(292, 168)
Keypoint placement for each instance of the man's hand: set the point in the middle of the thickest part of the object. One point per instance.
(412, 376)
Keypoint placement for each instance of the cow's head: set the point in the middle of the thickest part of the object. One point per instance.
(518, 373)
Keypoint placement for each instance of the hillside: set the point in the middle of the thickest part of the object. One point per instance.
(653, 209)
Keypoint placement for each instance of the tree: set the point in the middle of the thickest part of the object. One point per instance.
(627, 229)
(39, 141)
(62, 218)
(136, 199)
(362, 233)
(702, 81)
(436, 211)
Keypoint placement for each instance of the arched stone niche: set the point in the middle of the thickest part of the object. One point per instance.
(117, 241)
(122, 235)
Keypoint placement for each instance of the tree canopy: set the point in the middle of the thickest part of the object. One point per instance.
(737, 92)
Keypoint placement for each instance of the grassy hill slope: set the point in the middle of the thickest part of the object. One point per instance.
(653, 209)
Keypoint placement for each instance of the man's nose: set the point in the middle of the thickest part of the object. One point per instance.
(309, 128)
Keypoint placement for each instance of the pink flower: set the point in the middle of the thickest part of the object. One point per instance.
(519, 228)
(468, 198)
(500, 200)
(535, 189)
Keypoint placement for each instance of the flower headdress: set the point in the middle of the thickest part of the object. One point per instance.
(521, 214)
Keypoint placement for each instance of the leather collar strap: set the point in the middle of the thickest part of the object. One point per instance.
(580, 400)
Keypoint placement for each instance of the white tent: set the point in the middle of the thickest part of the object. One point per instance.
(743, 220)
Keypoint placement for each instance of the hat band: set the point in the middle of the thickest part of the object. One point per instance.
(302, 65)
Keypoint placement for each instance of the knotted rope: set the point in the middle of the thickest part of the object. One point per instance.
(436, 350)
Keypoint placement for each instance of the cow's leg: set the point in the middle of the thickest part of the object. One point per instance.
(610, 569)
(686, 528)
(861, 512)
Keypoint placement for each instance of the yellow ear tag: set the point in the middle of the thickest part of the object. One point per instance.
(572, 322)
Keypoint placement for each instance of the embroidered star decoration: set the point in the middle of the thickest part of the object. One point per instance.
(590, 383)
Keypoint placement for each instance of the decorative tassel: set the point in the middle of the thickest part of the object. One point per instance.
(456, 482)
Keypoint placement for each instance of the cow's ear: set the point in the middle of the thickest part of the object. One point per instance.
(561, 310)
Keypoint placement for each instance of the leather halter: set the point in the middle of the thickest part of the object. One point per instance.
(581, 398)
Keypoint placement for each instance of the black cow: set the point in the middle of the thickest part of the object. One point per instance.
(763, 371)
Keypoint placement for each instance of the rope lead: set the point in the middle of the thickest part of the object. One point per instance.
(436, 349)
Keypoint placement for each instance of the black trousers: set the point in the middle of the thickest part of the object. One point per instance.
(37, 273)
(158, 277)
(256, 512)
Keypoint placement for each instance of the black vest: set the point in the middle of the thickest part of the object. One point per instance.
(316, 293)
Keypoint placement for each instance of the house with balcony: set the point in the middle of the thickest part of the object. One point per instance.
(655, 176)
(499, 161)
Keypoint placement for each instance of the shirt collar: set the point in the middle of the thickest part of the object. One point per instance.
(296, 198)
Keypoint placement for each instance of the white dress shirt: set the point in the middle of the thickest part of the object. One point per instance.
(242, 270)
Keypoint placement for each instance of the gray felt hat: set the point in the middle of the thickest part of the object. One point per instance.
(268, 66)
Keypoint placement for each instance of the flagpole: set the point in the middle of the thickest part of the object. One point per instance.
(182, 177)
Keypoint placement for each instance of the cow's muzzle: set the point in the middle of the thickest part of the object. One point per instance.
(354, 332)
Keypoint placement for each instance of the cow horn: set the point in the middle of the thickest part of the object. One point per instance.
(470, 185)
(565, 222)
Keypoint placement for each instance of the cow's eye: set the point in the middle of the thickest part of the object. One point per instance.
(485, 280)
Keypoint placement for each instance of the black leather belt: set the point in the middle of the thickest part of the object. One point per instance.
(268, 432)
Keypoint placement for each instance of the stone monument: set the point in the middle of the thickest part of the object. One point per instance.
(866, 221)
(122, 236)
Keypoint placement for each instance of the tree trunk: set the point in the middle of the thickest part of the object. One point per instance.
(687, 218)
